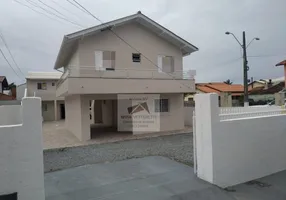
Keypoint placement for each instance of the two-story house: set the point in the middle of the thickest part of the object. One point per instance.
(43, 84)
(133, 60)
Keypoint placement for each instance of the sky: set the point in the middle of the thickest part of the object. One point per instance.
(34, 39)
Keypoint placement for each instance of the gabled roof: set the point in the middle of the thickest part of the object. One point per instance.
(206, 89)
(281, 63)
(44, 75)
(70, 41)
(4, 81)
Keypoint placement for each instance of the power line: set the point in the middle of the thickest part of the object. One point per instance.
(51, 13)
(52, 8)
(37, 11)
(124, 40)
(9, 63)
(77, 6)
(62, 7)
(6, 45)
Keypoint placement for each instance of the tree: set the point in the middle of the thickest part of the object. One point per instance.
(228, 81)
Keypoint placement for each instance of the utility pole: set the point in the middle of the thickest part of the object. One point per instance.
(245, 62)
(245, 69)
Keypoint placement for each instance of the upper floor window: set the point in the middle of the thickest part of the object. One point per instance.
(53, 83)
(136, 57)
(166, 64)
(42, 86)
(105, 60)
(161, 105)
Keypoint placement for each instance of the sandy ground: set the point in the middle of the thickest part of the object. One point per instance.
(55, 135)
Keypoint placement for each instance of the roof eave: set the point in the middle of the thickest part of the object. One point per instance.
(92, 30)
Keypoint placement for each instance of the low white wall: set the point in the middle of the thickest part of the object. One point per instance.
(235, 151)
(21, 154)
(247, 149)
(10, 114)
(189, 115)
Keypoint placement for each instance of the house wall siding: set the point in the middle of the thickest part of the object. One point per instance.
(48, 94)
(139, 37)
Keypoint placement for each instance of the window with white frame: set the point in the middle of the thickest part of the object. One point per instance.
(41, 86)
(166, 64)
(105, 60)
(161, 105)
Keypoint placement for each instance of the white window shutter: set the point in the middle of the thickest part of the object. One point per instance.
(98, 60)
(160, 65)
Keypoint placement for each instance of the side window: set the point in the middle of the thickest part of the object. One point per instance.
(41, 86)
(136, 57)
(161, 105)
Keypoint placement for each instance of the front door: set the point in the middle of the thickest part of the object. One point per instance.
(63, 111)
(98, 112)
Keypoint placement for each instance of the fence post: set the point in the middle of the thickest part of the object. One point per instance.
(279, 98)
(207, 117)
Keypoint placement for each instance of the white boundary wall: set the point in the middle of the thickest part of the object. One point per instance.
(246, 145)
(21, 150)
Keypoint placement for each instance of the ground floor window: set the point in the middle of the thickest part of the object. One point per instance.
(161, 105)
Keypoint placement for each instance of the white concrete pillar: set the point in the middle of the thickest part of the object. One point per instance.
(225, 99)
(77, 116)
(279, 98)
(207, 117)
(56, 110)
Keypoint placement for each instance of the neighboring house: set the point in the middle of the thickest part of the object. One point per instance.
(221, 88)
(100, 67)
(6, 94)
(20, 91)
(283, 63)
(43, 84)
(3, 83)
(264, 92)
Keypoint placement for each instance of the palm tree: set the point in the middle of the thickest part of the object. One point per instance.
(228, 81)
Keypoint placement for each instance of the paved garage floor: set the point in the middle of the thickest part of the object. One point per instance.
(151, 178)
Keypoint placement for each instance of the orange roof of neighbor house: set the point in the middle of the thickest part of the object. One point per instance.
(228, 88)
(206, 89)
(218, 87)
(281, 63)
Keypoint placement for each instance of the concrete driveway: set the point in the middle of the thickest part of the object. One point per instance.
(151, 178)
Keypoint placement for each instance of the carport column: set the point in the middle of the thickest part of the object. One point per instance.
(207, 118)
(77, 116)
(56, 110)
(85, 119)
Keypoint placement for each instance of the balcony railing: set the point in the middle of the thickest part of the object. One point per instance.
(122, 73)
